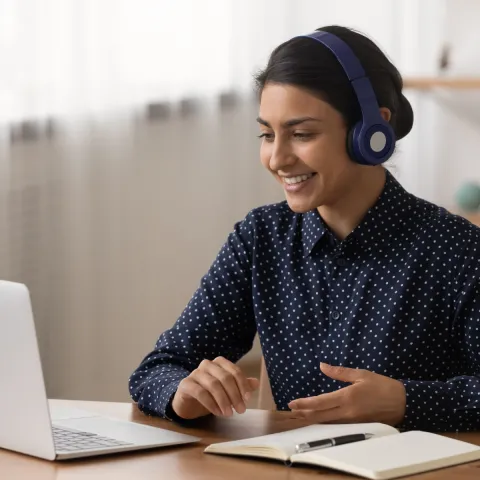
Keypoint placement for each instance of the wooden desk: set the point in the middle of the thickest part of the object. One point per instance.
(188, 462)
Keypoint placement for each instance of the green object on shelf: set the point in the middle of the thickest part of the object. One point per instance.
(468, 196)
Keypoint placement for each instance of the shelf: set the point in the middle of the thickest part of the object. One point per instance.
(473, 217)
(425, 83)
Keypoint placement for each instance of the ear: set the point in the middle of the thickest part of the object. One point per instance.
(385, 113)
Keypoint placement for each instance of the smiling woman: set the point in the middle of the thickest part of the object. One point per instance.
(307, 113)
(366, 298)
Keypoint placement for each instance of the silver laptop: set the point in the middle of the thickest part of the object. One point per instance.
(28, 425)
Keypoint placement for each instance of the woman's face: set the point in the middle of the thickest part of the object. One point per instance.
(304, 147)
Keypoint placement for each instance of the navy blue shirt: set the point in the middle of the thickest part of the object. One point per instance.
(399, 297)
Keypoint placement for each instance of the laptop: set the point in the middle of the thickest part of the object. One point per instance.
(28, 424)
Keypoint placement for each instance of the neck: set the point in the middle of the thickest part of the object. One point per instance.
(347, 212)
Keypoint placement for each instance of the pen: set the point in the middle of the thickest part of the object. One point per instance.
(331, 442)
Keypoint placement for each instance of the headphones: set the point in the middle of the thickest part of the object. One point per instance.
(371, 141)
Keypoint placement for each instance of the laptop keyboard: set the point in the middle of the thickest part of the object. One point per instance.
(69, 440)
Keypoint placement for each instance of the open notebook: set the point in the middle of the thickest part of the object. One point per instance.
(389, 454)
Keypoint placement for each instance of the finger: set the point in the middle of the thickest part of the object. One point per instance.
(229, 385)
(237, 374)
(202, 396)
(215, 388)
(333, 415)
(254, 383)
(344, 374)
(319, 402)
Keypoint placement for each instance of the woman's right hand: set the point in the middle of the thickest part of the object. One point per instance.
(214, 387)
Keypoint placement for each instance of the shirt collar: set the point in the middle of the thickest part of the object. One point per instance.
(313, 229)
(379, 223)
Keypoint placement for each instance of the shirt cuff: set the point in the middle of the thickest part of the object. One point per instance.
(167, 395)
(170, 412)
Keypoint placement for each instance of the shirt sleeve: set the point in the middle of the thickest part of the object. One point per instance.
(454, 405)
(218, 321)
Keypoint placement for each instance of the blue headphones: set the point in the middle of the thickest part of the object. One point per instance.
(370, 141)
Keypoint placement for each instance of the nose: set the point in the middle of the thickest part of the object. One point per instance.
(281, 155)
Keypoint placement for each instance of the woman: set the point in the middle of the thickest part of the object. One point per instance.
(365, 297)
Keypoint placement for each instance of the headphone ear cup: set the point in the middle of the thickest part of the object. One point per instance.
(350, 151)
(352, 147)
(361, 147)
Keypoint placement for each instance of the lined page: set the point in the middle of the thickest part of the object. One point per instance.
(394, 456)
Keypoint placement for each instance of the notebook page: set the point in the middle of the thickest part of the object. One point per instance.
(393, 456)
(286, 441)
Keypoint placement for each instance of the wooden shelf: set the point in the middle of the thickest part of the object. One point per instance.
(473, 217)
(425, 83)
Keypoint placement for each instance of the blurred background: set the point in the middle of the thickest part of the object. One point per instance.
(128, 150)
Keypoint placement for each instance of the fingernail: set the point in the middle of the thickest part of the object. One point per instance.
(240, 408)
(247, 396)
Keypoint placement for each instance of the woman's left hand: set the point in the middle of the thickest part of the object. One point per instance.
(370, 398)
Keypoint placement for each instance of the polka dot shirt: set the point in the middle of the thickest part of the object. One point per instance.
(400, 296)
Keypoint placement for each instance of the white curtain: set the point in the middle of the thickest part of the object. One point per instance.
(68, 57)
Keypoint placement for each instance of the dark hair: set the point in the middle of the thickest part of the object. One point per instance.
(307, 64)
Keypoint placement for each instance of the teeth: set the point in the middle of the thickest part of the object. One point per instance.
(299, 179)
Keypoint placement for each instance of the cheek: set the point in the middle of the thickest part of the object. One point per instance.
(324, 154)
(314, 154)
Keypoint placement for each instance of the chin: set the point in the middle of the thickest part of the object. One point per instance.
(300, 207)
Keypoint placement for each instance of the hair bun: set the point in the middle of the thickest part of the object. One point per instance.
(404, 120)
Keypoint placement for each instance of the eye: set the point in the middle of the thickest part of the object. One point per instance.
(303, 136)
(267, 136)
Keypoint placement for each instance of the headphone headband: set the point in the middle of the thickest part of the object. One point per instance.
(350, 63)
(373, 139)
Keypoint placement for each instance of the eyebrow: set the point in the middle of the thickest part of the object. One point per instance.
(292, 122)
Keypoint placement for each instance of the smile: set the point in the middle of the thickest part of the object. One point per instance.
(297, 179)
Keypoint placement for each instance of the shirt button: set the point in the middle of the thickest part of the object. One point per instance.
(335, 314)
(341, 262)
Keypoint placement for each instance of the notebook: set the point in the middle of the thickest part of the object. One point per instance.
(388, 454)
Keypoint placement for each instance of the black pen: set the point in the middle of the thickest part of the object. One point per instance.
(331, 442)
